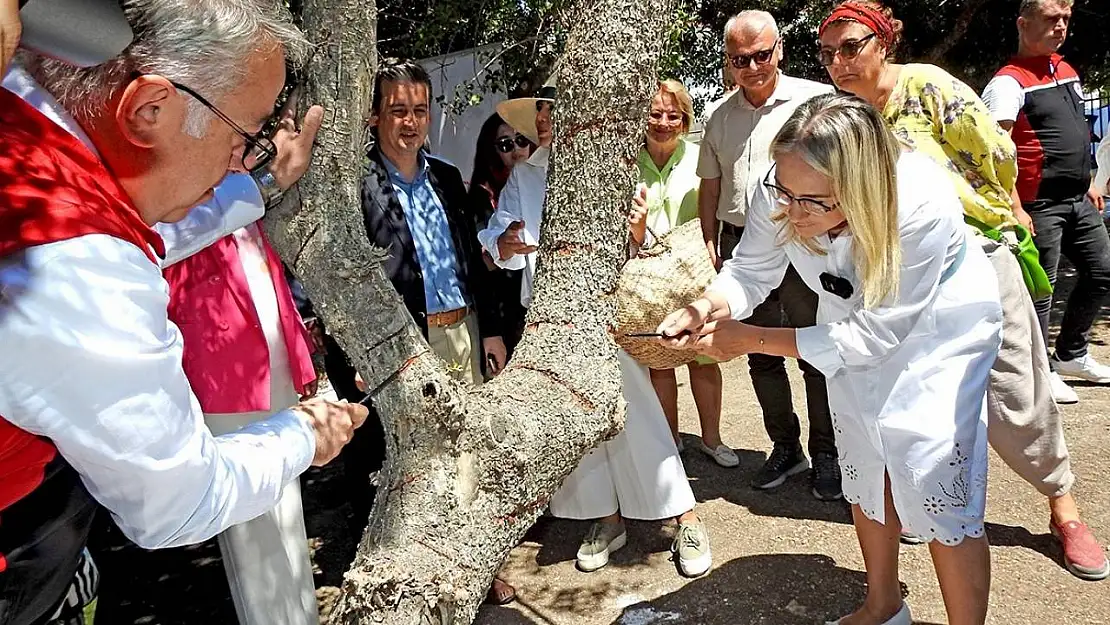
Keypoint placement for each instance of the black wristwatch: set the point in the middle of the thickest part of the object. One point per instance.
(268, 187)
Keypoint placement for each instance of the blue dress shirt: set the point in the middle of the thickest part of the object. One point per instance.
(431, 234)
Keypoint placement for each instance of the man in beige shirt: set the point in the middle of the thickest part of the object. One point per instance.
(734, 155)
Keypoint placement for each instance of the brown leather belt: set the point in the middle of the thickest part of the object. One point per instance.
(447, 318)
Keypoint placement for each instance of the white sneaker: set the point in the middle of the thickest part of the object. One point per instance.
(1085, 368)
(722, 455)
(903, 617)
(1061, 392)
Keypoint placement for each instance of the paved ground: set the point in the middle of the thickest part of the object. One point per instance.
(781, 558)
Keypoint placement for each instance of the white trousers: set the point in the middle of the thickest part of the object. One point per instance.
(639, 472)
(266, 558)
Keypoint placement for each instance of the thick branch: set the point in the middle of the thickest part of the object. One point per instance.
(469, 470)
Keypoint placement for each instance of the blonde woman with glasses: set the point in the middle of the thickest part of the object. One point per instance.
(668, 198)
(908, 326)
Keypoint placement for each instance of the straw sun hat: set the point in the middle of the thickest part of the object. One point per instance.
(520, 113)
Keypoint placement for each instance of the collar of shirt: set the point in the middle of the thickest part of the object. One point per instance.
(782, 93)
(395, 175)
(540, 157)
(19, 82)
(648, 164)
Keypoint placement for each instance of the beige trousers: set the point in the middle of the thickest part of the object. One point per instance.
(266, 559)
(459, 346)
(1024, 424)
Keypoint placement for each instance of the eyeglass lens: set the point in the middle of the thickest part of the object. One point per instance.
(848, 50)
(506, 144)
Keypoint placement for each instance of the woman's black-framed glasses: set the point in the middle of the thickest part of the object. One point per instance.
(848, 50)
(259, 150)
(508, 144)
(761, 57)
(785, 198)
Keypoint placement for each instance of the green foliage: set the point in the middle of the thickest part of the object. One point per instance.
(527, 36)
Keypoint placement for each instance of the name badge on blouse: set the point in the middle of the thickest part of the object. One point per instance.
(836, 285)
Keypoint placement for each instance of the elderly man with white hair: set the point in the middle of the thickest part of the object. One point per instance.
(95, 405)
(734, 150)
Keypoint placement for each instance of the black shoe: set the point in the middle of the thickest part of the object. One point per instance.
(826, 477)
(784, 462)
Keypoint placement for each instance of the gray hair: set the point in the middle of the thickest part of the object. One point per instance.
(202, 44)
(1028, 7)
(751, 21)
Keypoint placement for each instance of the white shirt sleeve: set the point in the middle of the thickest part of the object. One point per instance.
(509, 209)
(236, 203)
(758, 263)
(1004, 97)
(1102, 158)
(866, 337)
(91, 362)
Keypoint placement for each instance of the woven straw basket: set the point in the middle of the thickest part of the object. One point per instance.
(671, 274)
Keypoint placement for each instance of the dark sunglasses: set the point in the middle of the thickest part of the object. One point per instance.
(508, 144)
(785, 198)
(848, 50)
(762, 57)
(259, 150)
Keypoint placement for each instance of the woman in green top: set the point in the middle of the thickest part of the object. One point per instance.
(668, 165)
(938, 115)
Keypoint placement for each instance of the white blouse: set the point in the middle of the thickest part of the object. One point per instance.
(933, 236)
(521, 200)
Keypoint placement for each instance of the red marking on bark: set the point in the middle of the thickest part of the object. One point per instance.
(581, 398)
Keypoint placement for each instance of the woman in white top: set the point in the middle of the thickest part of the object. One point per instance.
(638, 474)
(908, 328)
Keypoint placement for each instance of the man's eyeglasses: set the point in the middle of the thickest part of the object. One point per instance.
(785, 198)
(258, 151)
(848, 50)
(508, 144)
(762, 57)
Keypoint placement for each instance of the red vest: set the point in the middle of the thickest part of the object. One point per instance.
(52, 188)
(226, 356)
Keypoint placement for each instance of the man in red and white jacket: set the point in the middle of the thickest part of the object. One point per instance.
(95, 404)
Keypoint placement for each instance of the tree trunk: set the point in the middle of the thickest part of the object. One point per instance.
(470, 469)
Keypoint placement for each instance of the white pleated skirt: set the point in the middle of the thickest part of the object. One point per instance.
(639, 472)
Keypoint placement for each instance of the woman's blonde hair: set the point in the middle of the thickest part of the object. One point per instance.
(682, 98)
(846, 139)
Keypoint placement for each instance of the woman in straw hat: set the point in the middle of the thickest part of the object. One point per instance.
(941, 117)
(669, 193)
(638, 474)
(909, 324)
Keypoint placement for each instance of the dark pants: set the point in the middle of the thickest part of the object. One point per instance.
(1075, 229)
(791, 305)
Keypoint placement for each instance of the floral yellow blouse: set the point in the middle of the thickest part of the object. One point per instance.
(940, 116)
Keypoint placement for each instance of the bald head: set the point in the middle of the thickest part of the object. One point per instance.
(753, 51)
(750, 24)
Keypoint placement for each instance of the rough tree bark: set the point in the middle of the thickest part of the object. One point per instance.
(470, 469)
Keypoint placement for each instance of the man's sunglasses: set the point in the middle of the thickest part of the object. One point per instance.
(259, 150)
(508, 144)
(848, 50)
(785, 198)
(762, 57)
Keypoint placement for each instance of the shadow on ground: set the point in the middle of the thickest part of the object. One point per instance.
(792, 500)
(781, 589)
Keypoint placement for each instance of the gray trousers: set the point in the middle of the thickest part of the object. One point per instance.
(1024, 425)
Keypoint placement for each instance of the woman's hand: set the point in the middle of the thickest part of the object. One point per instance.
(682, 328)
(726, 339)
(1025, 219)
(637, 217)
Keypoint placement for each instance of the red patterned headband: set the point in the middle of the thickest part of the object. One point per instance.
(875, 20)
